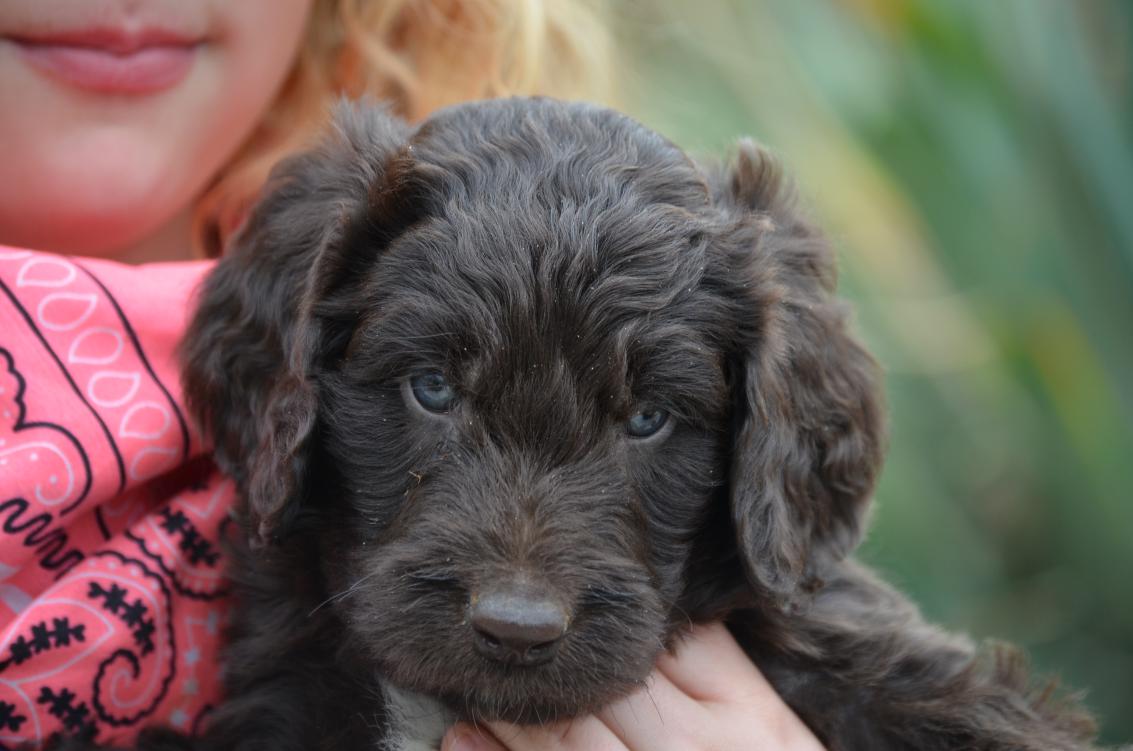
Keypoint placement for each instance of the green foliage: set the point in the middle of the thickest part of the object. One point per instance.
(973, 162)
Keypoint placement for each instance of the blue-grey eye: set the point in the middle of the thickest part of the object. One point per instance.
(433, 391)
(646, 422)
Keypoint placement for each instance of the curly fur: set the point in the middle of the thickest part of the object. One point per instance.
(563, 266)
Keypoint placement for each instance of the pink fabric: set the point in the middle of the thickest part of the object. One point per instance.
(111, 594)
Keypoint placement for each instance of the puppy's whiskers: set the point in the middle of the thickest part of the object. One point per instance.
(343, 594)
(653, 701)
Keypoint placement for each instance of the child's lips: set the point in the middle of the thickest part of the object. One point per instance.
(112, 61)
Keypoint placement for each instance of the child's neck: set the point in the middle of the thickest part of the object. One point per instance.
(173, 241)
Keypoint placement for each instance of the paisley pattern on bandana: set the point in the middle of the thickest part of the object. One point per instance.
(112, 595)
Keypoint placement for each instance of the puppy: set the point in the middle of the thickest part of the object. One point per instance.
(513, 397)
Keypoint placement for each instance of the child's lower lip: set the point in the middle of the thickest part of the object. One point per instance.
(145, 70)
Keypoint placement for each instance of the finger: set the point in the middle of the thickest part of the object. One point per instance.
(656, 717)
(461, 737)
(740, 703)
(579, 734)
(710, 666)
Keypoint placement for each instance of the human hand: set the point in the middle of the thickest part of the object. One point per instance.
(709, 696)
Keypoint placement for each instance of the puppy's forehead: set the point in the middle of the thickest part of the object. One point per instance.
(529, 199)
(598, 301)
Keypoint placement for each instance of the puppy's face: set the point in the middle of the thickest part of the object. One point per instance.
(521, 381)
(528, 425)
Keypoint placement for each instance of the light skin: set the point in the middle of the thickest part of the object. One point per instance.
(115, 173)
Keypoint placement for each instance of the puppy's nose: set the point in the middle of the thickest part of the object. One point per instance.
(517, 622)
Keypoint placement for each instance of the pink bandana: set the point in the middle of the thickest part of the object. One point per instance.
(111, 593)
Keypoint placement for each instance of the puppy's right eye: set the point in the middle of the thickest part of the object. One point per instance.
(647, 422)
(433, 391)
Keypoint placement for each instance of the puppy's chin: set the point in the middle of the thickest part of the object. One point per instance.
(529, 712)
(529, 699)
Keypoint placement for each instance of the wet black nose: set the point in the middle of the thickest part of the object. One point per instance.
(517, 622)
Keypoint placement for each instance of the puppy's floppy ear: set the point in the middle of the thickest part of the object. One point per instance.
(808, 438)
(264, 321)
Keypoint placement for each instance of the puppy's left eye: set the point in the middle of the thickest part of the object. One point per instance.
(433, 391)
(646, 422)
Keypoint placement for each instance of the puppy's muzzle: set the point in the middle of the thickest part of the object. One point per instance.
(516, 621)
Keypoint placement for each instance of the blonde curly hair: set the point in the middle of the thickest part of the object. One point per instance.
(419, 55)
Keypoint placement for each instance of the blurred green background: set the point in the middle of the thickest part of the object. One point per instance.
(973, 162)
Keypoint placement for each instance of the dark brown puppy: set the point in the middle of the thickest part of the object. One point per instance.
(513, 397)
